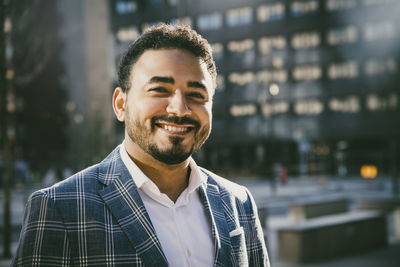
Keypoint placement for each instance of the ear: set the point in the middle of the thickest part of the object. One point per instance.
(119, 98)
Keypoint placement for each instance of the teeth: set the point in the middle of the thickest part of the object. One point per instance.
(175, 129)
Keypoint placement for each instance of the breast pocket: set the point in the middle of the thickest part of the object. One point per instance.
(239, 251)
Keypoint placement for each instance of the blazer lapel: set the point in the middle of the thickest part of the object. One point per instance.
(124, 202)
(212, 202)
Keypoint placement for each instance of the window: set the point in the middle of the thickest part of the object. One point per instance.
(380, 66)
(307, 72)
(271, 12)
(181, 21)
(381, 103)
(306, 56)
(145, 25)
(239, 16)
(265, 77)
(272, 50)
(274, 108)
(308, 107)
(265, 44)
(242, 52)
(333, 5)
(209, 21)
(344, 35)
(379, 31)
(301, 8)
(218, 51)
(173, 2)
(241, 78)
(243, 110)
(125, 7)
(350, 104)
(220, 82)
(128, 34)
(343, 70)
(306, 40)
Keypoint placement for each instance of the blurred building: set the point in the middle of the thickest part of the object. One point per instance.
(308, 84)
(88, 59)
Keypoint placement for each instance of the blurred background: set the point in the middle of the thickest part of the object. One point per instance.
(306, 111)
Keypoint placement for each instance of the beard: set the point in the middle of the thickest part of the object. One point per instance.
(141, 135)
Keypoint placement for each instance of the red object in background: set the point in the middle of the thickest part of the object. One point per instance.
(283, 178)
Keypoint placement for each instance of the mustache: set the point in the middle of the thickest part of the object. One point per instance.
(175, 120)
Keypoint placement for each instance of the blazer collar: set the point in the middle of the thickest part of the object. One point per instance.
(213, 204)
(122, 198)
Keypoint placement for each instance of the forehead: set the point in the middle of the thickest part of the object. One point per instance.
(176, 63)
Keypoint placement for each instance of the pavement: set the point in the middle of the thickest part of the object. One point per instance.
(278, 199)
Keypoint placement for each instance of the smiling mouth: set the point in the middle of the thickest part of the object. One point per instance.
(174, 128)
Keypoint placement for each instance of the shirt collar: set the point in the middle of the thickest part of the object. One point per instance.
(196, 178)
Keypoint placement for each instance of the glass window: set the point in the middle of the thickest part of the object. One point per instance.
(343, 35)
(378, 66)
(239, 16)
(181, 21)
(307, 56)
(272, 51)
(271, 108)
(271, 12)
(301, 8)
(173, 2)
(381, 103)
(308, 107)
(307, 72)
(265, 44)
(265, 77)
(128, 34)
(350, 104)
(241, 78)
(379, 31)
(243, 110)
(220, 82)
(209, 21)
(305, 40)
(333, 5)
(242, 52)
(218, 51)
(343, 70)
(125, 7)
(146, 25)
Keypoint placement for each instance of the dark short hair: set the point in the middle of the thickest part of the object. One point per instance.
(165, 36)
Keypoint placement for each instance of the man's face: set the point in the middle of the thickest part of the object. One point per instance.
(168, 107)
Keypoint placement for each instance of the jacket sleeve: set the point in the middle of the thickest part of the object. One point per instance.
(257, 250)
(43, 240)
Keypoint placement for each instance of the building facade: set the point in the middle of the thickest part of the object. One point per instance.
(311, 85)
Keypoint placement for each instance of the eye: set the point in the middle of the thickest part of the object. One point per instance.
(197, 95)
(159, 90)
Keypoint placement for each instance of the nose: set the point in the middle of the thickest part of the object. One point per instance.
(177, 104)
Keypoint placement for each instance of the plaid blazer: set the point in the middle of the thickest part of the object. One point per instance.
(97, 218)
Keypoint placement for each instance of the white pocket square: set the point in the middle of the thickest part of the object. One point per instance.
(236, 232)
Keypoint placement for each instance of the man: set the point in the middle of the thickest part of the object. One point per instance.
(148, 203)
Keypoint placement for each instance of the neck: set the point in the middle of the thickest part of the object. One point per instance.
(171, 180)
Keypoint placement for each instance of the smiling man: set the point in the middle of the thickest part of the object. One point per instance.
(148, 203)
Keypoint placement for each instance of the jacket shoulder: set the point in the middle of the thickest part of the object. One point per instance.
(226, 186)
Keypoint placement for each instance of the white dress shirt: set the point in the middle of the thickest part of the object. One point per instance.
(182, 227)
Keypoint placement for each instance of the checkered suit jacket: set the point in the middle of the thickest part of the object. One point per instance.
(97, 218)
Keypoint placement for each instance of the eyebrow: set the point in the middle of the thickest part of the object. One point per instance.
(194, 84)
(158, 79)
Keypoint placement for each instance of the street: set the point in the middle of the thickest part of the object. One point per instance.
(277, 201)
